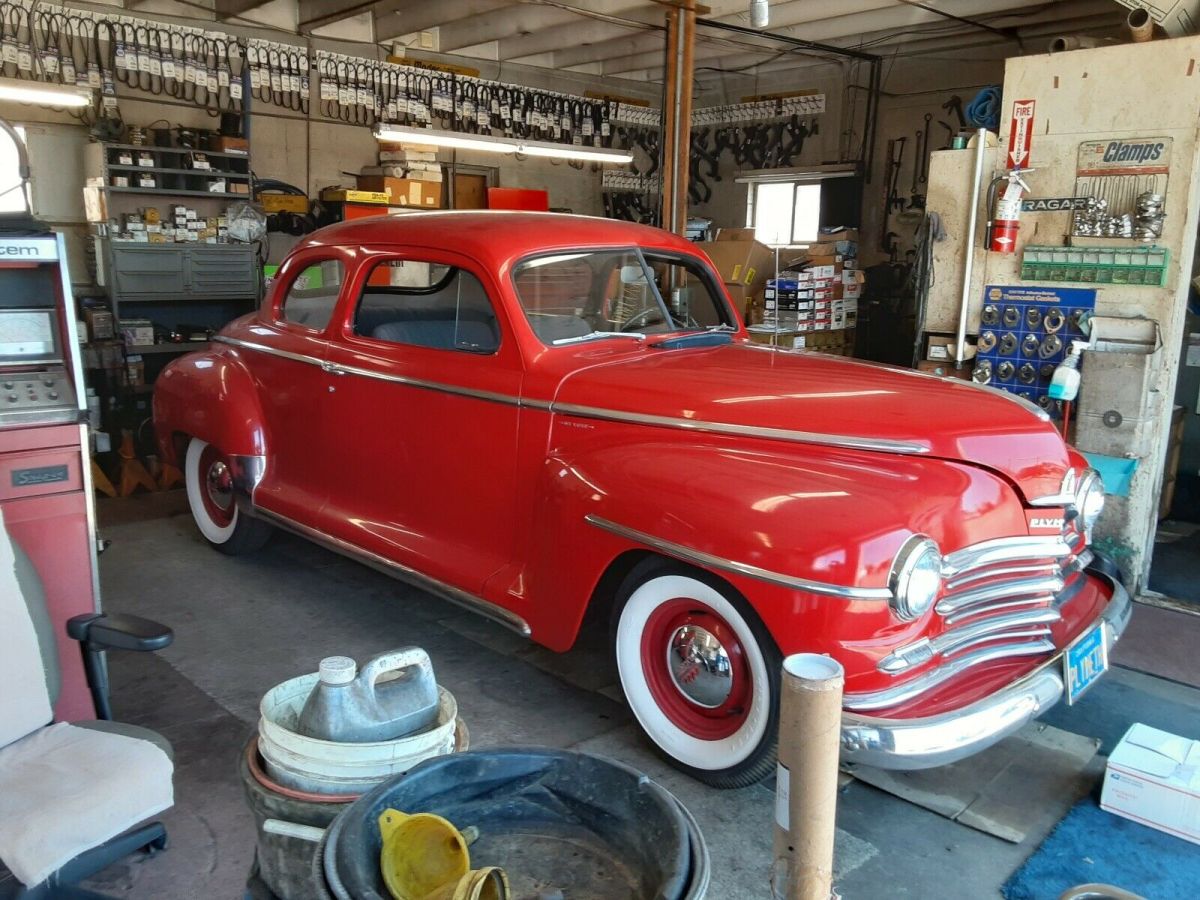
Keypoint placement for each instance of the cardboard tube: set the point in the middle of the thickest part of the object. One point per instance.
(1066, 42)
(1140, 25)
(810, 723)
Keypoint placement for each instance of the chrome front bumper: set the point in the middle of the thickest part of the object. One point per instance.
(949, 737)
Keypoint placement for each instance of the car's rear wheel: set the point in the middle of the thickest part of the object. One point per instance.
(214, 507)
(700, 673)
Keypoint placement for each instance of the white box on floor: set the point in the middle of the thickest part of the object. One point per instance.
(1153, 777)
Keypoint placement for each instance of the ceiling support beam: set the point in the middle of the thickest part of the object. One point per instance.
(315, 13)
(229, 9)
(396, 17)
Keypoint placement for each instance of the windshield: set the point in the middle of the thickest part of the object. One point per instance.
(594, 294)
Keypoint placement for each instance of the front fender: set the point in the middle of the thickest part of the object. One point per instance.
(210, 396)
(833, 517)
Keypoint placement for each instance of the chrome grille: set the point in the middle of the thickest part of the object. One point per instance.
(998, 601)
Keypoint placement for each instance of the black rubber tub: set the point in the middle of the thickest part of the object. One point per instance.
(589, 827)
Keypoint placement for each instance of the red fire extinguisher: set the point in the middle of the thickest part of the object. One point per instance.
(1005, 204)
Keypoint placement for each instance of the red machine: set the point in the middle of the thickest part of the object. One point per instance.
(45, 470)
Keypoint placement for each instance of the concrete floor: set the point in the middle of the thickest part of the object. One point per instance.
(245, 624)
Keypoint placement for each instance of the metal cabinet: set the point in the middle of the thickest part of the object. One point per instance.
(179, 274)
(148, 272)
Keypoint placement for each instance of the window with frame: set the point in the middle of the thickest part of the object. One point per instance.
(783, 213)
(598, 293)
(426, 304)
(313, 294)
(12, 187)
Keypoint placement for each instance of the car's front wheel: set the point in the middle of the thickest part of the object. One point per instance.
(700, 673)
(210, 495)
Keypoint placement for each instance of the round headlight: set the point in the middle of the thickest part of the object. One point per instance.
(1089, 501)
(916, 577)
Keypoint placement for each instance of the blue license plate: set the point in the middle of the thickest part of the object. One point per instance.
(1085, 661)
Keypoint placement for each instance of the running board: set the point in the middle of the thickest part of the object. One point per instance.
(400, 571)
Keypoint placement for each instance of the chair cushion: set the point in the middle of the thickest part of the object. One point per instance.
(24, 699)
(64, 790)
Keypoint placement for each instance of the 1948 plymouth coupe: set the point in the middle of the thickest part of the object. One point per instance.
(540, 416)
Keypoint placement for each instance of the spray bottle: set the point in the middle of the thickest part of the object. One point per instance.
(1065, 383)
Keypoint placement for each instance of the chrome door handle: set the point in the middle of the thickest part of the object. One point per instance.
(331, 369)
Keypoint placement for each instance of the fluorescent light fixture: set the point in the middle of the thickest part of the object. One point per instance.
(43, 94)
(490, 144)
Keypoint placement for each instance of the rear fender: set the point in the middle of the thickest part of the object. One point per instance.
(210, 396)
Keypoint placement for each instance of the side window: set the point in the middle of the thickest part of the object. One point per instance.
(426, 304)
(313, 294)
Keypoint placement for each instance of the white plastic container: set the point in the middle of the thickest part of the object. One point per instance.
(330, 767)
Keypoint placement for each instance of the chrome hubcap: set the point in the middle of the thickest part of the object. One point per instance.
(220, 485)
(699, 666)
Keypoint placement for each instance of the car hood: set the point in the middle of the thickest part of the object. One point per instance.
(742, 388)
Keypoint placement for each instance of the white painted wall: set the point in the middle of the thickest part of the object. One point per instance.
(1124, 91)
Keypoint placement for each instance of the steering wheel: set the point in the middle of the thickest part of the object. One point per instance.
(640, 320)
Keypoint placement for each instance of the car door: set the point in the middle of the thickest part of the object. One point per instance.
(424, 405)
(287, 355)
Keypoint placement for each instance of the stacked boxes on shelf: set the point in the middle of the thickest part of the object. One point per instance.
(408, 173)
(813, 302)
(178, 225)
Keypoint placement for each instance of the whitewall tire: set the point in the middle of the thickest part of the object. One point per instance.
(699, 672)
(214, 507)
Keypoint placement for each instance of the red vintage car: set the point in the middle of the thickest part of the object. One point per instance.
(541, 417)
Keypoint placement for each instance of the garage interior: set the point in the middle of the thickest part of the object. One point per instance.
(1001, 193)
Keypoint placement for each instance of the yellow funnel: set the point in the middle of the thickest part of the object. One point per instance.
(420, 853)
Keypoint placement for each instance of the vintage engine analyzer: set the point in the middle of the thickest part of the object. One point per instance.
(45, 467)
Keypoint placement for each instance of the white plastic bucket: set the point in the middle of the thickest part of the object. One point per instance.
(331, 767)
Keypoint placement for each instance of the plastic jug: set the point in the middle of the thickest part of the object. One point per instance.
(355, 707)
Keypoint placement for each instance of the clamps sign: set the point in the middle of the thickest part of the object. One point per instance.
(1126, 156)
(1020, 135)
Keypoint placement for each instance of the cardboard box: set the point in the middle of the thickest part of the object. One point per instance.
(274, 203)
(135, 371)
(100, 324)
(941, 347)
(945, 369)
(223, 144)
(340, 195)
(403, 191)
(137, 332)
(740, 259)
(1153, 777)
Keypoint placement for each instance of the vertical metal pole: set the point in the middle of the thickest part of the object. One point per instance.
(683, 135)
(669, 121)
(810, 729)
(960, 341)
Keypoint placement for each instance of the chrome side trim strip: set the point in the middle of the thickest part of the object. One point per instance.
(270, 351)
(507, 399)
(400, 571)
(849, 442)
(717, 562)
